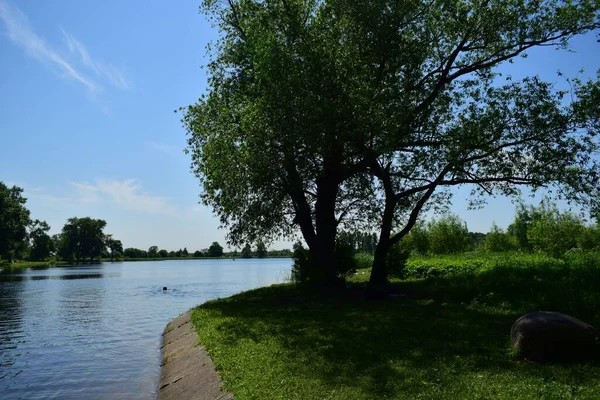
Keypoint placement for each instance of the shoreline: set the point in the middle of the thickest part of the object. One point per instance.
(187, 372)
(50, 264)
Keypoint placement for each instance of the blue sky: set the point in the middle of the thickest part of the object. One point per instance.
(87, 128)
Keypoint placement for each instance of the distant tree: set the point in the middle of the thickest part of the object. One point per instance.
(82, 238)
(132, 252)
(261, 249)
(178, 253)
(198, 253)
(153, 252)
(235, 253)
(477, 239)
(14, 220)
(185, 252)
(163, 253)
(41, 243)
(497, 240)
(525, 216)
(215, 250)
(417, 240)
(115, 247)
(555, 232)
(590, 238)
(448, 235)
(247, 251)
(172, 254)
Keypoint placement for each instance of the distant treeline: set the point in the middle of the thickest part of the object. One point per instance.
(215, 250)
(83, 239)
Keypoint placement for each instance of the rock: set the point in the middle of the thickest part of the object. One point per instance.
(551, 336)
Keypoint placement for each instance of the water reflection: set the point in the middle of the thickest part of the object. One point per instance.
(11, 332)
(94, 331)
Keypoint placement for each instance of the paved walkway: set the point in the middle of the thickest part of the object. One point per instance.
(187, 371)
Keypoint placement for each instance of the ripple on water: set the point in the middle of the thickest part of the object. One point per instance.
(93, 332)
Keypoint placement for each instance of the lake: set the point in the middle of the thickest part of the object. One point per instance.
(94, 331)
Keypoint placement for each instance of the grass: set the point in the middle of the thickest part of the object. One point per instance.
(30, 264)
(448, 339)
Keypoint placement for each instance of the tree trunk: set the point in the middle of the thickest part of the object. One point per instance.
(326, 228)
(378, 278)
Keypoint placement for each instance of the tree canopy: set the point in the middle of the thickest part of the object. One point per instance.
(82, 238)
(14, 220)
(215, 250)
(42, 244)
(335, 114)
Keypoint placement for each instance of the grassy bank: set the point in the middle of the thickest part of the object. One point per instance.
(447, 337)
(30, 264)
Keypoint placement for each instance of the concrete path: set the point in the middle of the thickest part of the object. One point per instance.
(187, 371)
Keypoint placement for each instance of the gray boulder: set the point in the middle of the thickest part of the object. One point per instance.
(551, 336)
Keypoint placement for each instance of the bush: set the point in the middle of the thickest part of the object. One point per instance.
(363, 260)
(448, 235)
(497, 240)
(395, 260)
(303, 270)
(554, 232)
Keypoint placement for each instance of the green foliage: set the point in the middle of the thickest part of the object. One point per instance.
(497, 240)
(303, 270)
(590, 238)
(344, 256)
(132, 252)
(163, 253)
(115, 247)
(261, 249)
(418, 239)
(198, 253)
(247, 251)
(82, 238)
(395, 261)
(317, 110)
(185, 252)
(14, 220)
(153, 252)
(215, 250)
(363, 260)
(448, 235)
(555, 232)
(42, 244)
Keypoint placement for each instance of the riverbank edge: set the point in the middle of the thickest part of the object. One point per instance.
(187, 372)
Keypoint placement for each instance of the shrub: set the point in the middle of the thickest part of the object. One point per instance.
(448, 235)
(363, 260)
(497, 240)
(303, 270)
(395, 260)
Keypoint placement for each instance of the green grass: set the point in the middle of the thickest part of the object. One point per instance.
(30, 264)
(448, 339)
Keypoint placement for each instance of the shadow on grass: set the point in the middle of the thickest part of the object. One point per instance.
(375, 349)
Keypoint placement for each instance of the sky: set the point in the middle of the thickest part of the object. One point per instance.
(88, 91)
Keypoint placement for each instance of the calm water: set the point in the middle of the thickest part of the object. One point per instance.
(93, 332)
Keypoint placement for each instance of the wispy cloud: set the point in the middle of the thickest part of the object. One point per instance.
(20, 32)
(109, 72)
(164, 148)
(127, 194)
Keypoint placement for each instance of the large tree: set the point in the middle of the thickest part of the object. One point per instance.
(330, 114)
(14, 220)
(82, 238)
(42, 244)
